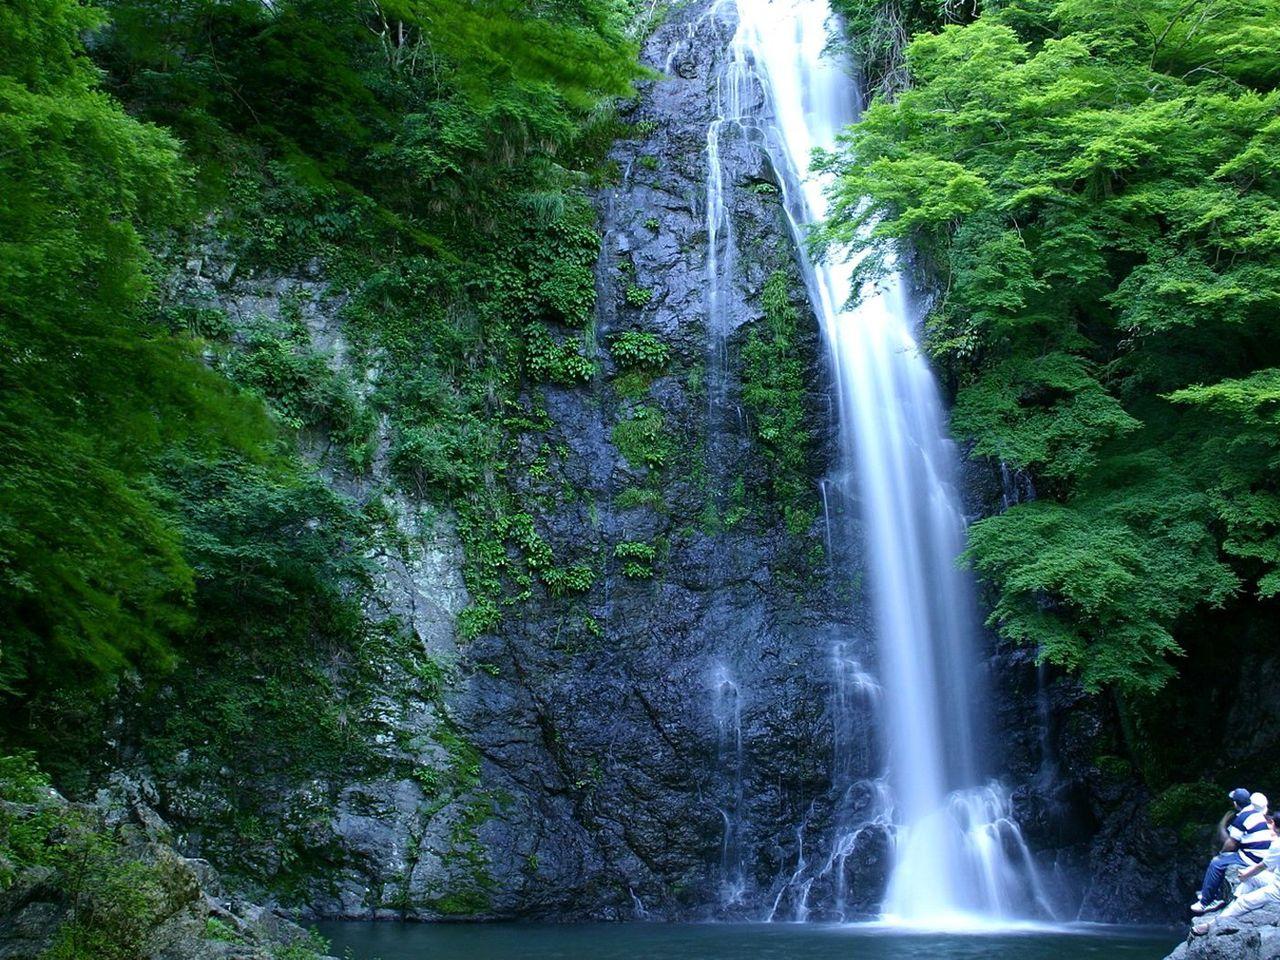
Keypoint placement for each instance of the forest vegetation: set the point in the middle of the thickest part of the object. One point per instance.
(432, 155)
(168, 559)
(1092, 188)
(1089, 190)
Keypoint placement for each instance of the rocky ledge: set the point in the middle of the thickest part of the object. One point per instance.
(104, 878)
(1251, 936)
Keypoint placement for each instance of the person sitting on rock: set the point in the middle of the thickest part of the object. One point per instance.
(1259, 882)
(1248, 838)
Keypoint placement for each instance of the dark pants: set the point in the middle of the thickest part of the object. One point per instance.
(1214, 874)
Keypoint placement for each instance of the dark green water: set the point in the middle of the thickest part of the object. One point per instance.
(722, 941)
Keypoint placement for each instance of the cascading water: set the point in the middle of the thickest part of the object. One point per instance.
(726, 707)
(958, 857)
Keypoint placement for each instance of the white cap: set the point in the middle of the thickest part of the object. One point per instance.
(1259, 800)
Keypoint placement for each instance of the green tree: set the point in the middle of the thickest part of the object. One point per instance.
(1093, 189)
(92, 576)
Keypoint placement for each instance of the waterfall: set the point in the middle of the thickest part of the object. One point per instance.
(726, 707)
(958, 855)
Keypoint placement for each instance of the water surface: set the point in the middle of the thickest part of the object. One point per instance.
(722, 941)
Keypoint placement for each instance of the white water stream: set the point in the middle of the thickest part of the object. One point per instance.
(959, 859)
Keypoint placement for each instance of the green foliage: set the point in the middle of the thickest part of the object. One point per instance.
(461, 903)
(1121, 561)
(1110, 265)
(25, 834)
(878, 31)
(157, 538)
(432, 153)
(92, 575)
(652, 223)
(633, 497)
(1048, 414)
(1187, 807)
(215, 929)
(562, 581)
(302, 388)
(118, 892)
(452, 343)
(117, 899)
(312, 948)
(637, 296)
(408, 103)
(556, 362)
(281, 657)
(637, 557)
(1237, 424)
(641, 440)
(634, 350)
(773, 390)
(116, 895)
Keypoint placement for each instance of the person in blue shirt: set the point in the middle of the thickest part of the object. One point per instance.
(1248, 838)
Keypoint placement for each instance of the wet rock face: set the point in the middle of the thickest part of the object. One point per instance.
(686, 738)
(676, 763)
(663, 743)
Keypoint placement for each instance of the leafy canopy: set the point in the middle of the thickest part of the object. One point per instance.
(1094, 188)
(92, 575)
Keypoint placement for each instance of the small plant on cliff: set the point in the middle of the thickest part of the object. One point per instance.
(637, 558)
(653, 223)
(641, 440)
(773, 391)
(640, 351)
(555, 362)
(562, 581)
(636, 295)
(633, 497)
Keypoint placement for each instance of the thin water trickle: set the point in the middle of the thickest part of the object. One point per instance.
(959, 857)
(726, 708)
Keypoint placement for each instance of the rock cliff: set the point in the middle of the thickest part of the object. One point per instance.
(661, 742)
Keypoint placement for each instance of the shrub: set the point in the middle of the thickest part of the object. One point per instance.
(301, 388)
(550, 361)
(637, 296)
(640, 351)
(640, 438)
(562, 581)
(637, 558)
(435, 458)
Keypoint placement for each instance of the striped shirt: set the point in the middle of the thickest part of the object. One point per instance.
(1250, 831)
